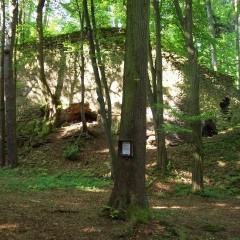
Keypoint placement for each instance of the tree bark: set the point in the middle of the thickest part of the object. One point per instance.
(82, 69)
(52, 100)
(59, 87)
(10, 89)
(2, 107)
(129, 183)
(45, 88)
(99, 89)
(212, 35)
(236, 7)
(101, 65)
(40, 54)
(193, 98)
(45, 17)
(162, 160)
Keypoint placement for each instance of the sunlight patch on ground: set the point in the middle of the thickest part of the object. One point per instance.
(86, 189)
(105, 150)
(225, 205)
(172, 207)
(8, 226)
(159, 185)
(221, 204)
(91, 230)
(221, 163)
(183, 177)
(150, 165)
(68, 130)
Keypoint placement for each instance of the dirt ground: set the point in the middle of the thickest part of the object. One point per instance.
(62, 214)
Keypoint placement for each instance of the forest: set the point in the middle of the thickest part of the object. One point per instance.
(119, 119)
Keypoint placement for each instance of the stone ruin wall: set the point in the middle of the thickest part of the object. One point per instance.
(213, 87)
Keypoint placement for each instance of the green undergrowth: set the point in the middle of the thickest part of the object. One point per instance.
(16, 180)
(225, 146)
(222, 192)
(221, 168)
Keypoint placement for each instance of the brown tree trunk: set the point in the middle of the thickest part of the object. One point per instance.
(45, 17)
(10, 87)
(52, 100)
(236, 6)
(193, 98)
(162, 160)
(99, 89)
(59, 87)
(82, 69)
(101, 65)
(212, 34)
(40, 57)
(74, 81)
(129, 183)
(2, 107)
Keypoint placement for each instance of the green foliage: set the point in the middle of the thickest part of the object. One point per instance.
(183, 189)
(182, 119)
(115, 214)
(139, 214)
(46, 129)
(213, 228)
(20, 85)
(71, 152)
(64, 18)
(170, 166)
(217, 192)
(174, 128)
(16, 180)
(228, 146)
(29, 128)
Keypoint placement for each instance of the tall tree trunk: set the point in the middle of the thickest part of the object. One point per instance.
(10, 86)
(82, 69)
(129, 183)
(162, 160)
(73, 82)
(40, 57)
(2, 107)
(236, 7)
(99, 89)
(193, 98)
(153, 84)
(212, 34)
(101, 65)
(84, 123)
(45, 18)
(21, 21)
(59, 87)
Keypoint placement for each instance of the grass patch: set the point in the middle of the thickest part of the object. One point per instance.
(14, 180)
(213, 228)
(218, 192)
(228, 146)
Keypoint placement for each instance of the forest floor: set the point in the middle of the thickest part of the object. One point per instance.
(49, 197)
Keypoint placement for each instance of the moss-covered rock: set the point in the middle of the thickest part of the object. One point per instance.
(27, 129)
(46, 129)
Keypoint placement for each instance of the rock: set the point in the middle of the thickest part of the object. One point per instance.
(73, 113)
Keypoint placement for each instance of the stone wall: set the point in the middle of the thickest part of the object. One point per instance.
(214, 87)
